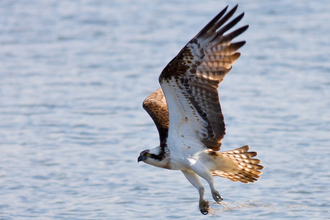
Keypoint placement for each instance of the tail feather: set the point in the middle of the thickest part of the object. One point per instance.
(242, 167)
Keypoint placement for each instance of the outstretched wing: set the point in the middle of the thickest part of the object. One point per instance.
(155, 105)
(191, 79)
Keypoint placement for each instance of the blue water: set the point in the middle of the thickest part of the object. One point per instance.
(73, 75)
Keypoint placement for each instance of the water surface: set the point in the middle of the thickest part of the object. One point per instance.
(73, 75)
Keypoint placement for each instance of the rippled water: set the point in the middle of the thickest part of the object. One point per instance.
(73, 75)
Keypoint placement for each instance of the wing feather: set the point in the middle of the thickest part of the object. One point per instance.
(155, 105)
(191, 79)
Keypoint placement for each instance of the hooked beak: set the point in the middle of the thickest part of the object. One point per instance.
(141, 158)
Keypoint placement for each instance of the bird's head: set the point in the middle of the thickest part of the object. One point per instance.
(144, 156)
(154, 156)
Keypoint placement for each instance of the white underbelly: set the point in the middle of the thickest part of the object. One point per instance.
(184, 155)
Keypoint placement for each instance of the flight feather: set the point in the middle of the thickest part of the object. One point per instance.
(190, 81)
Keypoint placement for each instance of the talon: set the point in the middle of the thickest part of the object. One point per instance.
(204, 207)
(204, 212)
(217, 197)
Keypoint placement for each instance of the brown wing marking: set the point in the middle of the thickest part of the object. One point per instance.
(200, 67)
(155, 105)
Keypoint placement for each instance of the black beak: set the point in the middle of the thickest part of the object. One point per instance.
(141, 158)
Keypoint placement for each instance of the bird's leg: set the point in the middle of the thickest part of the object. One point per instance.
(200, 169)
(194, 180)
(203, 205)
(216, 196)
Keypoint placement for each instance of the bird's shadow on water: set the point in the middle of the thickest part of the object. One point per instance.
(230, 206)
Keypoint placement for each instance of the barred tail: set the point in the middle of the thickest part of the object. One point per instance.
(238, 165)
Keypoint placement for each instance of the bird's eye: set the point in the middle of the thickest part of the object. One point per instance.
(147, 154)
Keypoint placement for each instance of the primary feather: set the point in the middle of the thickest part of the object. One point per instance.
(191, 79)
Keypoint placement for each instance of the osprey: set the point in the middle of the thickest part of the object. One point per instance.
(187, 113)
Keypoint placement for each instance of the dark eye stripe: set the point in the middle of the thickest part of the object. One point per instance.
(156, 157)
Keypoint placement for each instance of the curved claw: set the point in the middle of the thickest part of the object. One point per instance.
(204, 212)
(204, 207)
(216, 196)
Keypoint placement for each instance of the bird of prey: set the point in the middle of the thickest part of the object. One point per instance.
(187, 113)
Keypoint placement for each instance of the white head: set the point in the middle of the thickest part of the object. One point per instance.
(155, 156)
